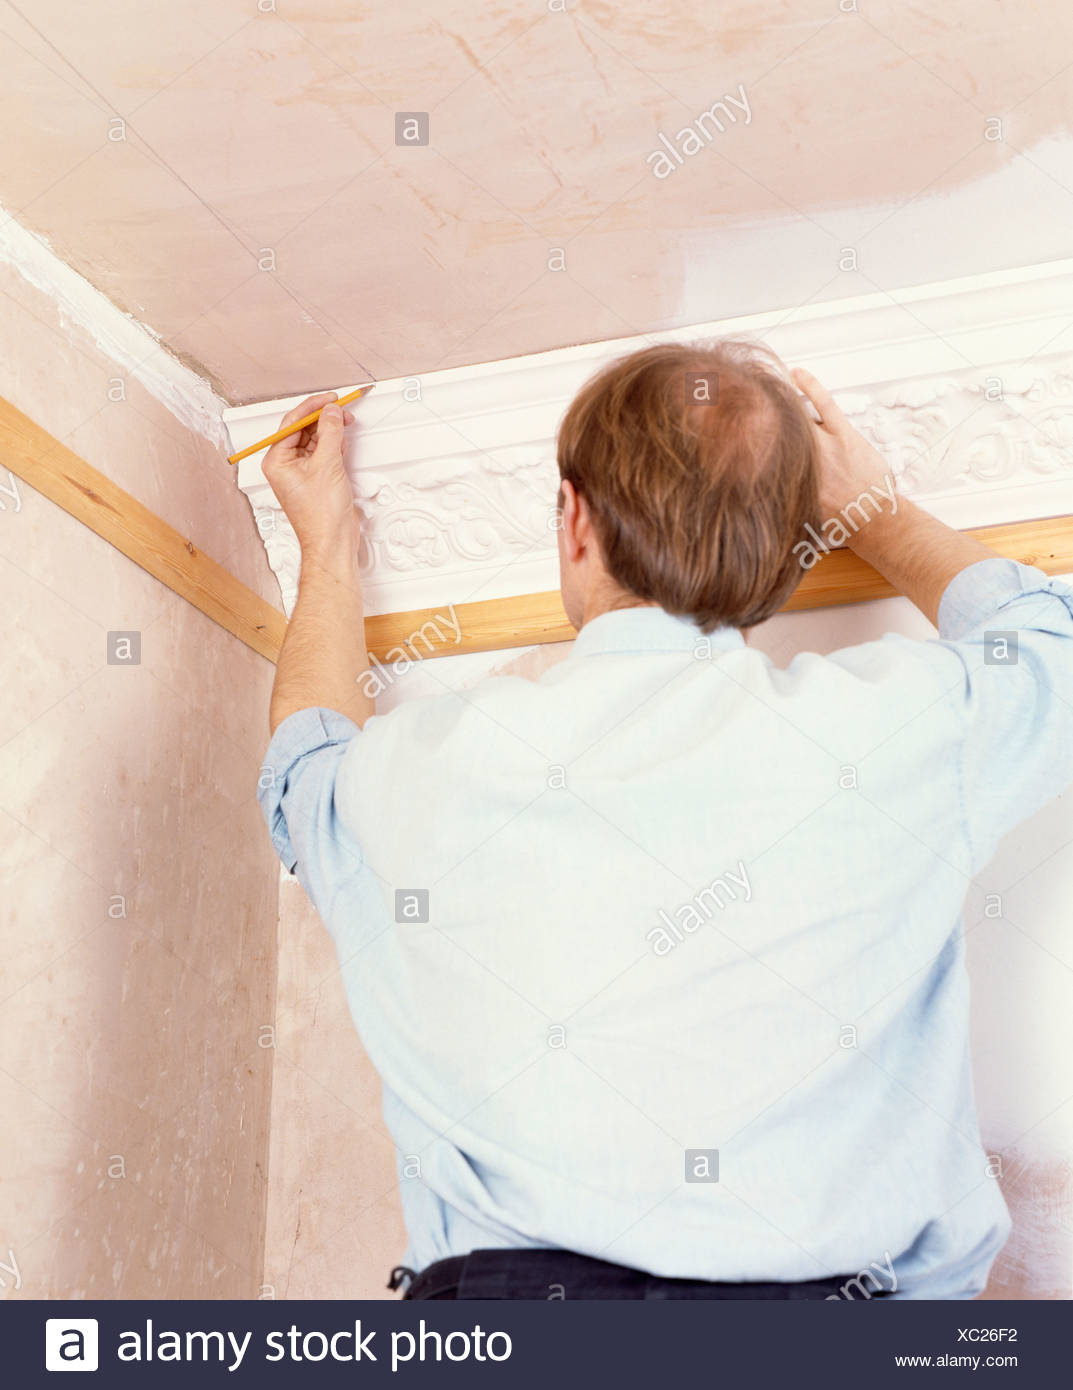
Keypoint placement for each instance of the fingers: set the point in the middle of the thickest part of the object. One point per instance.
(827, 407)
(324, 436)
(307, 407)
(329, 431)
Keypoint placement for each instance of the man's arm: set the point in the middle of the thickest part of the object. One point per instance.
(918, 554)
(1005, 661)
(323, 656)
(914, 551)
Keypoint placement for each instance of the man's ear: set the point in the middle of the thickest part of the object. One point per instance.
(573, 521)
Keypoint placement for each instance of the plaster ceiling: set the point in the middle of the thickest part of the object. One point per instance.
(226, 170)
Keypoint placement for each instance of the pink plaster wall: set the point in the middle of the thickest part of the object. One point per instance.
(334, 1222)
(134, 1093)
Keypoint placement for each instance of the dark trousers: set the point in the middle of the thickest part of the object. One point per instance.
(556, 1274)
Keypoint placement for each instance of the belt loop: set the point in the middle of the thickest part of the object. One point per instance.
(400, 1274)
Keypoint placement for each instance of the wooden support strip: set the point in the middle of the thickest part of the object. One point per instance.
(60, 475)
(840, 577)
(486, 625)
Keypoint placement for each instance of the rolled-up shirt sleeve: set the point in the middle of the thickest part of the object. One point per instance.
(1010, 630)
(296, 791)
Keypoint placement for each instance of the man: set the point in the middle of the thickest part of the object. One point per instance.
(684, 1012)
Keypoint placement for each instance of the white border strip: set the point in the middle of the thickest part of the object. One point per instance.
(136, 351)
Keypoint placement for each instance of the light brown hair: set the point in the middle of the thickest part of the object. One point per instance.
(698, 464)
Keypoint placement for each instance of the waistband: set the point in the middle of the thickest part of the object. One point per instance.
(563, 1274)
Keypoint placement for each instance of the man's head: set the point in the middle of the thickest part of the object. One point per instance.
(688, 474)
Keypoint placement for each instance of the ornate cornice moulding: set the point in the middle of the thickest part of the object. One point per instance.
(966, 387)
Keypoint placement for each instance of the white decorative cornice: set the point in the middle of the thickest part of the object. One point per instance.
(966, 387)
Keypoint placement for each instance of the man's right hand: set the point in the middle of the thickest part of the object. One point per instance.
(916, 552)
(307, 474)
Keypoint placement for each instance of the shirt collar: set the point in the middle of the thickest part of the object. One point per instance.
(649, 629)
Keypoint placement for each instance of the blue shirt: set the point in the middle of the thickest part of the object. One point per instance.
(659, 957)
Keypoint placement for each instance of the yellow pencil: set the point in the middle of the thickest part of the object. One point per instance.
(301, 424)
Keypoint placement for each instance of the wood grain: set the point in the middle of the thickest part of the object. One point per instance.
(842, 577)
(839, 578)
(60, 475)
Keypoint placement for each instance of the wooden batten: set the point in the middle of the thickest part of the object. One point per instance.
(839, 578)
(59, 474)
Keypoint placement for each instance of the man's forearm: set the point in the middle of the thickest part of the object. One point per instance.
(916, 553)
(323, 656)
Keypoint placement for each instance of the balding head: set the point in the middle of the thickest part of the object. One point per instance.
(697, 467)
